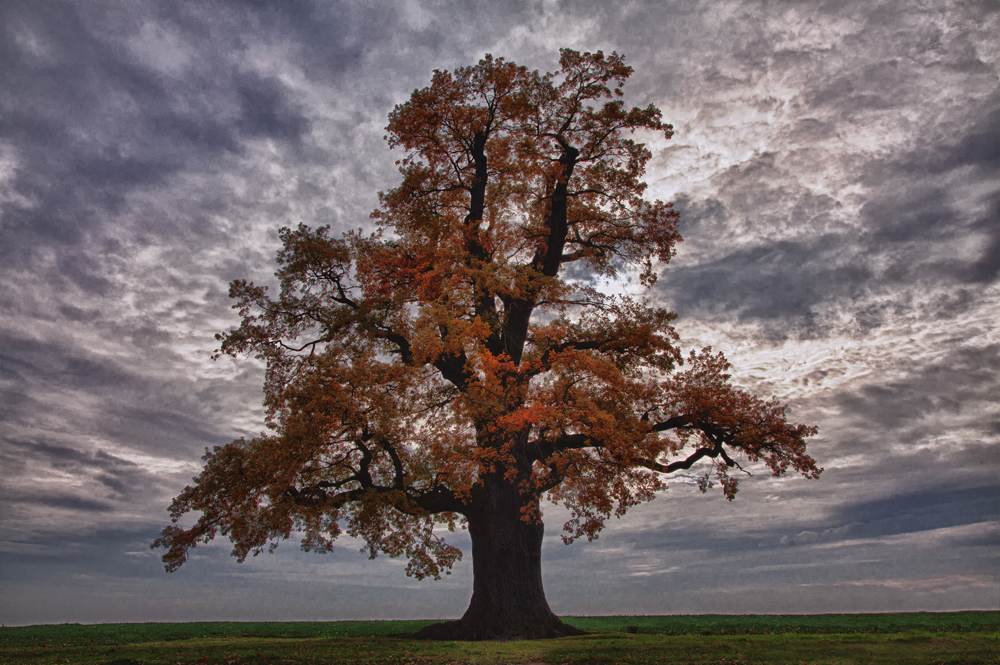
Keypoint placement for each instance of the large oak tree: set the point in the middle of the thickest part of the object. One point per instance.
(455, 367)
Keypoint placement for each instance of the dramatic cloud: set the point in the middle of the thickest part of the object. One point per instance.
(837, 170)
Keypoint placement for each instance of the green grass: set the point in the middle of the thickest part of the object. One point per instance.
(754, 624)
(112, 634)
(931, 638)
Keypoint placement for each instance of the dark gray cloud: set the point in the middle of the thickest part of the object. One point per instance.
(51, 381)
(782, 280)
(835, 166)
(912, 207)
(265, 112)
(922, 510)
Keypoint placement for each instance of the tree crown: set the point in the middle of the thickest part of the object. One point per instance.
(462, 341)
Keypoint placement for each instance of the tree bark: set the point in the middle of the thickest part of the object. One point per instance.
(508, 602)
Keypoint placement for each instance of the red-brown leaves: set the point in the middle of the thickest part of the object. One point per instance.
(407, 369)
(712, 412)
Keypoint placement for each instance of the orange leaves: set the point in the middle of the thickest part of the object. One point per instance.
(457, 106)
(706, 405)
(385, 529)
(514, 156)
(410, 369)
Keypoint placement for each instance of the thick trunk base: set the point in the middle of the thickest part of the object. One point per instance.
(508, 602)
(470, 630)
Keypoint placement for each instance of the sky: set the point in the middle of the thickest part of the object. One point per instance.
(837, 170)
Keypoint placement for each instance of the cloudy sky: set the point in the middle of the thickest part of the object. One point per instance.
(837, 167)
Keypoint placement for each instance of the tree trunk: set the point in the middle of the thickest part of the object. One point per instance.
(508, 602)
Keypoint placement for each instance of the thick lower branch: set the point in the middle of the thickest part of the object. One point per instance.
(543, 449)
(683, 464)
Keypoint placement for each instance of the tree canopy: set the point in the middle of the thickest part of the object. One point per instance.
(459, 364)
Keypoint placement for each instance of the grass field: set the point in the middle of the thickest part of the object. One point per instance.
(932, 638)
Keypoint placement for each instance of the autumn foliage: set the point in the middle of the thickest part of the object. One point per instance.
(457, 365)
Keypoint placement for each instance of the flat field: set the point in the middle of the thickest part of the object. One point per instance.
(931, 638)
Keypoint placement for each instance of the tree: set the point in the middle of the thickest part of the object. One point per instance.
(456, 366)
